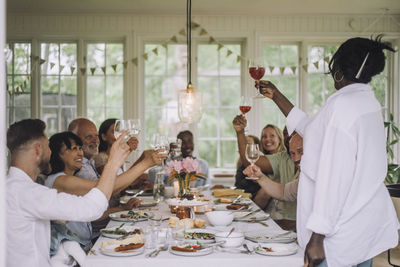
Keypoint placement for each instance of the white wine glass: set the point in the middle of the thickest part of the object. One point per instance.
(135, 127)
(121, 126)
(252, 155)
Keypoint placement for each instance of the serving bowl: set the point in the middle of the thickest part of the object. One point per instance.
(235, 239)
(220, 218)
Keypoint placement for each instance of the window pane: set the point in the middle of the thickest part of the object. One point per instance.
(68, 90)
(209, 87)
(49, 85)
(208, 151)
(105, 90)
(22, 53)
(229, 154)
(208, 125)
(50, 117)
(50, 53)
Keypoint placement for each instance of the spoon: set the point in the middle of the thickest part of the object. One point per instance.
(237, 199)
(230, 232)
(138, 193)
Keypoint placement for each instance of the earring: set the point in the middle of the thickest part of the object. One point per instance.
(336, 79)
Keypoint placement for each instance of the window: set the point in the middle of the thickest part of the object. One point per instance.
(219, 78)
(164, 75)
(18, 57)
(281, 62)
(58, 85)
(104, 82)
(320, 85)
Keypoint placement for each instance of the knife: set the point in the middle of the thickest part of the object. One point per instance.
(250, 213)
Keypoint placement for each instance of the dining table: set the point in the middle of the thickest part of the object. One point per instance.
(221, 257)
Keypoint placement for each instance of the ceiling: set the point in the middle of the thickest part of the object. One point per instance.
(207, 7)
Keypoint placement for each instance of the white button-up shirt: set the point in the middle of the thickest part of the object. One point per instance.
(341, 189)
(31, 206)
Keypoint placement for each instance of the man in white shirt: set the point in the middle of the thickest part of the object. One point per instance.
(345, 216)
(31, 206)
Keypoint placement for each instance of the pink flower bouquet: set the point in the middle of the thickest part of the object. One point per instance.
(184, 171)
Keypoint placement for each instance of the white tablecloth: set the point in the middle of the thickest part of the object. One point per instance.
(217, 258)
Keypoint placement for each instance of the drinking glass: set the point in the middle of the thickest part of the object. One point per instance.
(244, 107)
(257, 71)
(135, 128)
(252, 155)
(120, 126)
(155, 141)
(159, 187)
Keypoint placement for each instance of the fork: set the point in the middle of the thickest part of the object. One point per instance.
(155, 252)
(260, 222)
(248, 251)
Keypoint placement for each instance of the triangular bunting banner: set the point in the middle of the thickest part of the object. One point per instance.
(135, 61)
(42, 61)
(211, 40)
(305, 67)
(104, 69)
(282, 70)
(92, 70)
(182, 32)
(83, 70)
(19, 90)
(271, 69)
(52, 65)
(114, 67)
(72, 70)
(145, 56)
(238, 58)
(24, 84)
(165, 45)
(220, 46)
(174, 39)
(228, 53)
(316, 64)
(61, 68)
(203, 32)
(125, 64)
(326, 59)
(155, 51)
(195, 25)
(293, 68)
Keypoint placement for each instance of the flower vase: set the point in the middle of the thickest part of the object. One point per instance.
(184, 185)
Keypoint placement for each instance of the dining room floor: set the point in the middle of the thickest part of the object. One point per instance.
(382, 261)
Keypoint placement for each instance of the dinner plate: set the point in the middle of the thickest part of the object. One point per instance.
(145, 201)
(185, 202)
(181, 236)
(109, 251)
(116, 216)
(147, 192)
(258, 216)
(271, 236)
(200, 252)
(273, 249)
(224, 208)
(110, 235)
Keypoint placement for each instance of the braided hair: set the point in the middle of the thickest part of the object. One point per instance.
(359, 59)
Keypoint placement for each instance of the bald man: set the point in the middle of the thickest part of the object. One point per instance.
(284, 192)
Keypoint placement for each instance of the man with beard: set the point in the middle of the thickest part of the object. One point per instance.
(284, 192)
(31, 206)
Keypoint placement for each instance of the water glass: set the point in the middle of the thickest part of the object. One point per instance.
(159, 187)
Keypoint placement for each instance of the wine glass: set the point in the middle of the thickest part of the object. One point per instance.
(134, 127)
(119, 127)
(257, 71)
(252, 155)
(154, 141)
(163, 144)
(244, 107)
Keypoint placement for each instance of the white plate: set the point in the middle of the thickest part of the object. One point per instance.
(201, 252)
(109, 251)
(185, 202)
(258, 216)
(116, 216)
(124, 227)
(224, 208)
(145, 201)
(271, 236)
(277, 249)
(180, 236)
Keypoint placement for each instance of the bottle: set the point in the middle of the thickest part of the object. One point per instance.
(159, 187)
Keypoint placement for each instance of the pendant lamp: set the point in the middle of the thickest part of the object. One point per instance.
(190, 100)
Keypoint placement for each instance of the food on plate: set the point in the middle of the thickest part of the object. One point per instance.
(266, 249)
(134, 215)
(120, 231)
(237, 207)
(197, 235)
(218, 193)
(185, 223)
(218, 186)
(223, 201)
(188, 247)
(128, 247)
(135, 239)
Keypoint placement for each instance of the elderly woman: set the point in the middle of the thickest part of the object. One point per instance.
(345, 214)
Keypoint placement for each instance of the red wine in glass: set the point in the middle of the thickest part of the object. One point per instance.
(257, 72)
(244, 109)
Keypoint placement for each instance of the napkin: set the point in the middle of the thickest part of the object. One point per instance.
(69, 253)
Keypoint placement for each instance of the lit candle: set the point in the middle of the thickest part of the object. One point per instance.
(176, 188)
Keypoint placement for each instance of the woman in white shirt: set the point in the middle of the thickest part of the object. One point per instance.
(345, 216)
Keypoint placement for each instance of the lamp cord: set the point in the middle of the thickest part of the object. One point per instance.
(189, 40)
